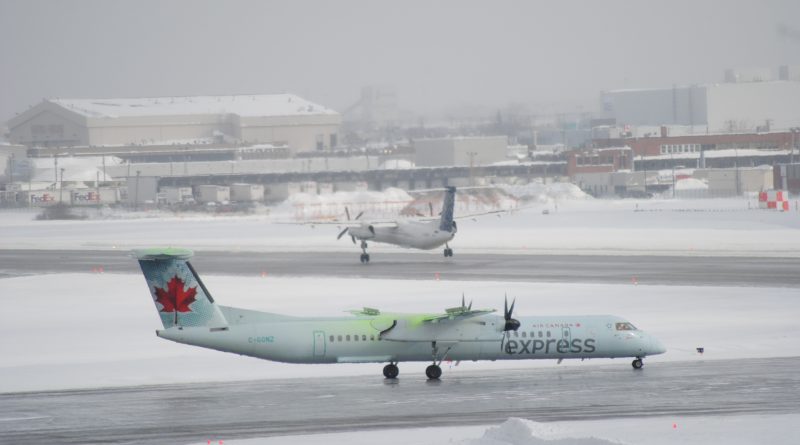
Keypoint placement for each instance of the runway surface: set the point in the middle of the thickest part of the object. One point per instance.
(610, 269)
(223, 411)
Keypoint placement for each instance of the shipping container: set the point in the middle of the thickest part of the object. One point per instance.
(247, 192)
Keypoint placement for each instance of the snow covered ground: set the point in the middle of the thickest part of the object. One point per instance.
(95, 330)
(698, 430)
(670, 227)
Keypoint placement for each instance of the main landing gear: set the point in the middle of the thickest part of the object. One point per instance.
(365, 255)
(433, 372)
(637, 363)
(447, 251)
(391, 371)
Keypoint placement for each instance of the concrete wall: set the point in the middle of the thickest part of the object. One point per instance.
(456, 151)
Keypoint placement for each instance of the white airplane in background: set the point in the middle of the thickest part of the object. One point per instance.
(426, 234)
(190, 315)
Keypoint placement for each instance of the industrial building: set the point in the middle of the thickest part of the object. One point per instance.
(279, 119)
(746, 102)
(467, 151)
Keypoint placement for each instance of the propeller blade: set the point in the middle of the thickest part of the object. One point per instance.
(341, 234)
(359, 214)
(511, 309)
(430, 208)
(462, 300)
(347, 212)
(353, 238)
(455, 227)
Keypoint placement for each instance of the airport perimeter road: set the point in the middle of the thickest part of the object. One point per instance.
(223, 411)
(610, 269)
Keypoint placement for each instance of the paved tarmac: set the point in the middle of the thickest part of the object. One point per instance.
(609, 269)
(223, 411)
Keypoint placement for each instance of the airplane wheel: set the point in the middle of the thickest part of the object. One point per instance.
(366, 258)
(448, 252)
(390, 371)
(433, 372)
(362, 258)
(637, 364)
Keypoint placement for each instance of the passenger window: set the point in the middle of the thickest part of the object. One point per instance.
(540, 334)
(516, 334)
(331, 338)
(363, 338)
(371, 338)
(524, 334)
(355, 337)
(348, 337)
(548, 334)
(340, 338)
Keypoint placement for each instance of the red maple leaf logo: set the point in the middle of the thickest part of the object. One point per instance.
(175, 297)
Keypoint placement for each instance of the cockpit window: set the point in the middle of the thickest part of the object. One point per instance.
(625, 327)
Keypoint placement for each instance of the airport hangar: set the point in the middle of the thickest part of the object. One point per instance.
(283, 120)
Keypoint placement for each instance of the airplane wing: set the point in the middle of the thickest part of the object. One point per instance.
(340, 223)
(456, 325)
(456, 314)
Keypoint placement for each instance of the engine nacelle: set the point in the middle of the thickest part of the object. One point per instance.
(365, 231)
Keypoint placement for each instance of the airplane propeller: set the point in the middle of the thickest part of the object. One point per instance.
(346, 229)
(511, 324)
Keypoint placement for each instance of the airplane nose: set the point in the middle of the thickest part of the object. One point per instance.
(656, 347)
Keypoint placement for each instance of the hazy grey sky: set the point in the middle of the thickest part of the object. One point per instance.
(437, 54)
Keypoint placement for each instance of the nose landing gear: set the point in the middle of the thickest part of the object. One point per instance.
(447, 250)
(364, 254)
(637, 363)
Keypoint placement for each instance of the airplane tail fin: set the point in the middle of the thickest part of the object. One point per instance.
(446, 222)
(180, 296)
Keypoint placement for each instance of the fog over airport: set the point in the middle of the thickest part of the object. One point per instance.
(442, 58)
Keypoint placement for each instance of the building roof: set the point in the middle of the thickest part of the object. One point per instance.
(258, 105)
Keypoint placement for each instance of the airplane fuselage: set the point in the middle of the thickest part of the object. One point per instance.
(423, 235)
(374, 339)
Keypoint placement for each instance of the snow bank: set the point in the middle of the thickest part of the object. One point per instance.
(303, 206)
(546, 193)
(526, 432)
(691, 184)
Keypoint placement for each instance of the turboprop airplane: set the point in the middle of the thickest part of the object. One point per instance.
(416, 234)
(190, 315)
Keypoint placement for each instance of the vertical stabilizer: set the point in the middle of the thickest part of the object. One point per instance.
(180, 296)
(446, 222)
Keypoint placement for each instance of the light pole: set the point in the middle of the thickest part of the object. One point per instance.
(672, 161)
(471, 155)
(644, 168)
(61, 188)
(736, 161)
(136, 193)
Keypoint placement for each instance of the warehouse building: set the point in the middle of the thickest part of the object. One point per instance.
(745, 102)
(277, 119)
